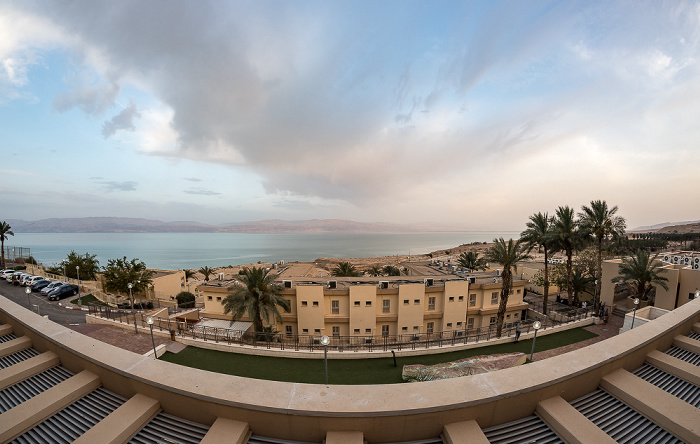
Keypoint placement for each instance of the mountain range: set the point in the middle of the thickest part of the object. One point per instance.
(138, 225)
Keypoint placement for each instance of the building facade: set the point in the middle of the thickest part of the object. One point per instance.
(380, 307)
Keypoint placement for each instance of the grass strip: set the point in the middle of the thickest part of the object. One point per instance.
(350, 371)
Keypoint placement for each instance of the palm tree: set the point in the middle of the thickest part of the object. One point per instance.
(206, 271)
(539, 233)
(345, 269)
(567, 237)
(508, 255)
(189, 274)
(640, 273)
(257, 296)
(375, 270)
(5, 230)
(391, 270)
(600, 222)
(581, 283)
(471, 260)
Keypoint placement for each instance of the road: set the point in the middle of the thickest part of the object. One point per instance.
(41, 305)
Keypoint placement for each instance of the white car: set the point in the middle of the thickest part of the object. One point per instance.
(25, 279)
(31, 280)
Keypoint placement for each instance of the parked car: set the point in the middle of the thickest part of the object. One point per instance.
(30, 281)
(39, 284)
(7, 275)
(17, 278)
(25, 279)
(52, 286)
(63, 292)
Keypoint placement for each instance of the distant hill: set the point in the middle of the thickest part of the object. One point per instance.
(138, 225)
(669, 227)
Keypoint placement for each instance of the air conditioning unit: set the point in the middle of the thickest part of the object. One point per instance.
(676, 260)
(221, 276)
(383, 284)
(696, 266)
(287, 284)
(498, 272)
(696, 260)
(332, 284)
(429, 282)
(686, 260)
(667, 258)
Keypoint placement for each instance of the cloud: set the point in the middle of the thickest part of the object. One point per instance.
(111, 185)
(201, 191)
(122, 121)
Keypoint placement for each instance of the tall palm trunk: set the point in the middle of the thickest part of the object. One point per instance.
(569, 275)
(598, 274)
(545, 291)
(507, 280)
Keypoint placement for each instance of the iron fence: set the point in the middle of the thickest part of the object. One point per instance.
(283, 341)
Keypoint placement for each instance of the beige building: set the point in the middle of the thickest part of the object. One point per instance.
(681, 268)
(386, 306)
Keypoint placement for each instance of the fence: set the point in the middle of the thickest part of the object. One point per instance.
(285, 341)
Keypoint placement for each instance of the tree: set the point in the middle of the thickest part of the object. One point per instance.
(89, 266)
(256, 296)
(189, 274)
(600, 222)
(5, 230)
(119, 273)
(185, 299)
(640, 273)
(540, 234)
(471, 260)
(567, 237)
(345, 269)
(391, 270)
(508, 255)
(375, 270)
(206, 271)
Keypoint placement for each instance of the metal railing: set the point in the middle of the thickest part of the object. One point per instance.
(283, 341)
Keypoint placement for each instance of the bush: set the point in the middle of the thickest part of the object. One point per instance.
(185, 299)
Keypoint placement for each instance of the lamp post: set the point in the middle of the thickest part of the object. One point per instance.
(138, 284)
(80, 299)
(325, 340)
(65, 279)
(130, 285)
(149, 320)
(536, 325)
(28, 291)
(634, 314)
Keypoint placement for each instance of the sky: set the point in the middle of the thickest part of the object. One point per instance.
(470, 114)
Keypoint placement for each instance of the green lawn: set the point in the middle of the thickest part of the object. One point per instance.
(349, 371)
(87, 298)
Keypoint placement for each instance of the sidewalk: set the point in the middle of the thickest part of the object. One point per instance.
(126, 339)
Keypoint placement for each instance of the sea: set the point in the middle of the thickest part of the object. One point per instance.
(174, 251)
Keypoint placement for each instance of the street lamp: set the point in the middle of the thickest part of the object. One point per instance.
(149, 321)
(130, 285)
(80, 299)
(140, 300)
(536, 325)
(634, 314)
(325, 340)
(28, 291)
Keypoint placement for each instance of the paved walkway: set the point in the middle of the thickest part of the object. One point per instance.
(604, 331)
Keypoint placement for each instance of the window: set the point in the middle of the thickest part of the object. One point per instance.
(405, 302)
(515, 315)
(368, 331)
(315, 303)
(507, 316)
(404, 328)
(357, 331)
(518, 291)
(461, 298)
(218, 298)
(494, 297)
(289, 302)
(288, 330)
(306, 331)
(209, 298)
(452, 299)
(492, 321)
(357, 303)
(449, 325)
(431, 303)
(415, 328)
(429, 327)
(385, 330)
(416, 301)
(304, 303)
(472, 299)
(317, 331)
(368, 303)
(386, 306)
(335, 307)
(470, 323)
(459, 324)
(336, 330)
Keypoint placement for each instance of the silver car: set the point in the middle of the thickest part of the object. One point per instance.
(52, 286)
